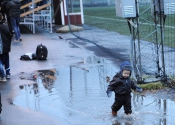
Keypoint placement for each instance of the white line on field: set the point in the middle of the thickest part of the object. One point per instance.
(125, 21)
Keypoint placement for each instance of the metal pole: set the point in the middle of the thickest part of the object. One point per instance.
(132, 57)
(67, 8)
(161, 14)
(138, 37)
(71, 78)
(157, 44)
(134, 52)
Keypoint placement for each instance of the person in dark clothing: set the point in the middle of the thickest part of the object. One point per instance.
(5, 37)
(6, 15)
(23, 2)
(13, 9)
(1, 2)
(121, 84)
(6, 63)
(2, 74)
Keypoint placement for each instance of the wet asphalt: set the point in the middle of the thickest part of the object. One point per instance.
(61, 53)
(69, 87)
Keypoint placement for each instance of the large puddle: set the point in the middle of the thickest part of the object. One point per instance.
(77, 94)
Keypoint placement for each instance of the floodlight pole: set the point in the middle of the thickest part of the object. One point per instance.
(138, 59)
(135, 55)
(156, 39)
(132, 52)
(162, 16)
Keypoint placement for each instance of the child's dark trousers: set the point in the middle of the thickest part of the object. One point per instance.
(122, 100)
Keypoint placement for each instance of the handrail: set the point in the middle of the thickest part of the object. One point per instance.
(28, 4)
(36, 9)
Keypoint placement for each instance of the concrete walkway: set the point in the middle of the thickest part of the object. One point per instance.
(63, 50)
(60, 53)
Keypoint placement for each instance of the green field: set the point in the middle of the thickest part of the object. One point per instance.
(105, 18)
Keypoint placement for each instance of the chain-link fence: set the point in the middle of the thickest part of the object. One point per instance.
(154, 46)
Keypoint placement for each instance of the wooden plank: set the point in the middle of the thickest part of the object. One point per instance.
(36, 9)
(28, 4)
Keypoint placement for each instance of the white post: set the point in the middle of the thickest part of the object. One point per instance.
(81, 9)
(50, 17)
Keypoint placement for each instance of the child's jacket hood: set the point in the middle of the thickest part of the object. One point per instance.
(125, 66)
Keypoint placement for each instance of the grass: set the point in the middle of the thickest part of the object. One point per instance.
(111, 25)
(171, 83)
(107, 12)
(158, 85)
(105, 18)
(152, 86)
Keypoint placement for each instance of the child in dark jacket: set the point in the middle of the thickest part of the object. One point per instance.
(121, 84)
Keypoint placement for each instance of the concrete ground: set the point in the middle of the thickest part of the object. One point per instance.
(60, 53)
(63, 50)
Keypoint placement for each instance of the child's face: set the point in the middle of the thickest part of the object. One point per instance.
(126, 73)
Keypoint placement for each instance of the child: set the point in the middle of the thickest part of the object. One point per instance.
(121, 84)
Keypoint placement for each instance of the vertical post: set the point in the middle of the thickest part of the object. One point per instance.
(81, 10)
(50, 14)
(138, 37)
(135, 53)
(161, 14)
(71, 78)
(156, 38)
(67, 8)
(33, 3)
(132, 52)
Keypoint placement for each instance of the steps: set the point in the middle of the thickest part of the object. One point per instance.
(36, 9)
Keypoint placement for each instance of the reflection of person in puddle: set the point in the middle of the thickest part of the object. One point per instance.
(121, 84)
(35, 88)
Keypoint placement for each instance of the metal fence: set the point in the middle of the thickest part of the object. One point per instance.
(152, 51)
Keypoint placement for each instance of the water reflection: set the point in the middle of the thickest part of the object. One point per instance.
(34, 91)
(78, 94)
(154, 110)
(119, 123)
(47, 77)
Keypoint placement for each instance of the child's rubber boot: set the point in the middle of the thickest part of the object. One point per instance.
(114, 113)
(128, 114)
